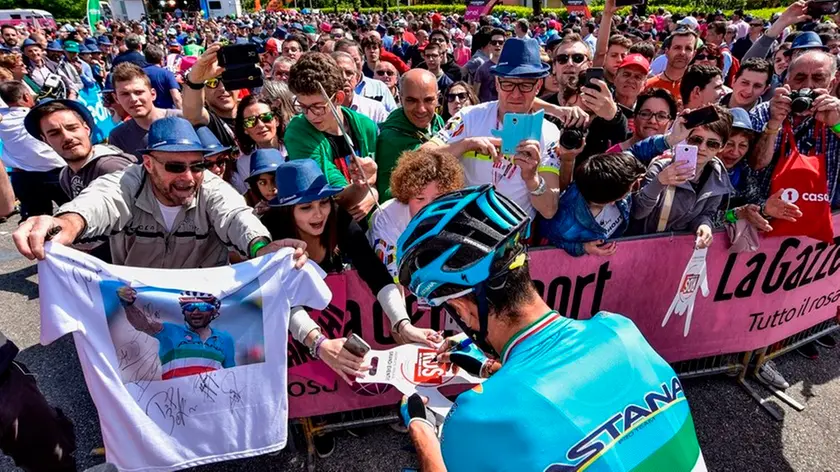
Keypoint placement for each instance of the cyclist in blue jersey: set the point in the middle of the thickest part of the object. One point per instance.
(570, 395)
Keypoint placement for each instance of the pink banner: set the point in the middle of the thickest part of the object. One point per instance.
(478, 8)
(755, 299)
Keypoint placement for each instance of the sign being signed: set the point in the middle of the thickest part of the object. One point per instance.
(187, 366)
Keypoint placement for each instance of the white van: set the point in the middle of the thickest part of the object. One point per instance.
(17, 16)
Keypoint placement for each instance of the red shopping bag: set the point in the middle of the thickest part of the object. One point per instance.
(805, 183)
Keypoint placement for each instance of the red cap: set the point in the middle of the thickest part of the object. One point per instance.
(436, 18)
(272, 46)
(636, 60)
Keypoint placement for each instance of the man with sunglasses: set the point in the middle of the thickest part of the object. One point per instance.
(206, 101)
(742, 45)
(571, 57)
(487, 45)
(532, 176)
(165, 213)
(367, 87)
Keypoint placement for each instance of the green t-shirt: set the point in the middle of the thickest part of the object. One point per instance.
(193, 50)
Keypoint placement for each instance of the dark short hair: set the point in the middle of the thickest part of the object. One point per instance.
(681, 32)
(49, 108)
(5, 27)
(440, 32)
(644, 48)
(345, 43)
(723, 126)
(300, 39)
(621, 40)
(605, 178)
(315, 68)
(13, 91)
(756, 64)
(371, 42)
(718, 27)
(697, 76)
(657, 93)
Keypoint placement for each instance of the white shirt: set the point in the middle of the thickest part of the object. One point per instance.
(386, 227)
(172, 400)
(169, 214)
(370, 108)
(20, 149)
(609, 218)
(477, 121)
(376, 90)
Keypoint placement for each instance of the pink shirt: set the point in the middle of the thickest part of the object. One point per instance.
(462, 55)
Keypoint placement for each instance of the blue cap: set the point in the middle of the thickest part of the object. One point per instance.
(32, 121)
(175, 43)
(741, 119)
(4, 48)
(520, 58)
(104, 41)
(210, 142)
(297, 26)
(173, 134)
(553, 41)
(54, 46)
(29, 42)
(90, 42)
(86, 50)
(264, 161)
(808, 40)
(301, 181)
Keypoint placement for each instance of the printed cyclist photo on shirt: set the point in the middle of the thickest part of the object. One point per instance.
(162, 334)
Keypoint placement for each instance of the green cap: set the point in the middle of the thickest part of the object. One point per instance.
(71, 46)
(309, 29)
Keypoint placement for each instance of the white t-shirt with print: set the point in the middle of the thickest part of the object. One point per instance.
(476, 122)
(609, 218)
(170, 395)
(386, 227)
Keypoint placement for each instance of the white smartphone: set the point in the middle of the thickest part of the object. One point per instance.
(687, 153)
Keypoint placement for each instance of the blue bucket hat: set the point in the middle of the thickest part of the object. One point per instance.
(90, 42)
(28, 42)
(32, 121)
(210, 142)
(54, 46)
(741, 119)
(807, 40)
(173, 134)
(86, 50)
(264, 161)
(104, 41)
(301, 181)
(520, 58)
(553, 41)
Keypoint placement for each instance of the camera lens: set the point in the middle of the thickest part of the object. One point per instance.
(800, 105)
(571, 138)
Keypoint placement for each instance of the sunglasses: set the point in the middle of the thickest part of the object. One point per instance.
(564, 58)
(703, 57)
(251, 121)
(181, 167)
(524, 87)
(212, 83)
(386, 73)
(451, 97)
(198, 306)
(710, 143)
(220, 161)
(497, 42)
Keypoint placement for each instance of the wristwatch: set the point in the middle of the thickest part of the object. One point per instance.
(192, 85)
(540, 188)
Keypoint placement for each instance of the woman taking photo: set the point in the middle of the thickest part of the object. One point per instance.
(305, 208)
(258, 125)
(655, 111)
(457, 96)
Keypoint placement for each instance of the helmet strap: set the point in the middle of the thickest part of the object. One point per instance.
(480, 337)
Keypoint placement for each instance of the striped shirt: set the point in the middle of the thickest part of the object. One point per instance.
(183, 353)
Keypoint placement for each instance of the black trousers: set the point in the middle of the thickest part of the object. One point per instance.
(37, 436)
(37, 191)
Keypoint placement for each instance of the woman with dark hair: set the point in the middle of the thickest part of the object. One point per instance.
(258, 125)
(305, 207)
(457, 96)
(709, 54)
(655, 111)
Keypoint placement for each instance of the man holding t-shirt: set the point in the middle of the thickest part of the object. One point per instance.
(318, 135)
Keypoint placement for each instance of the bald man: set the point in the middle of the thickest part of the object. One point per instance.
(408, 126)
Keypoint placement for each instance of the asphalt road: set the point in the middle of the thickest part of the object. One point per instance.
(735, 433)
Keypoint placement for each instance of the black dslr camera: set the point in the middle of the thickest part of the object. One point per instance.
(572, 138)
(802, 100)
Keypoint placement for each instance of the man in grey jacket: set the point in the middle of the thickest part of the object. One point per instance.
(166, 213)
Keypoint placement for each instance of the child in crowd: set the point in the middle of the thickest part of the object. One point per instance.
(596, 205)
(264, 164)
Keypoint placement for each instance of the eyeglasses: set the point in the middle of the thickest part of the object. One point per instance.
(524, 87)
(497, 42)
(216, 162)
(199, 306)
(251, 121)
(317, 109)
(451, 97)
(564, 58)
(648, 115)
(386, 73)
(212, 83)
(703, 57)
(432, 56)
(712, 144)
(181, 167)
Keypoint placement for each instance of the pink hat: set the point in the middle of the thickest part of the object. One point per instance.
(458, 36)
(326, 27)
(636, 60)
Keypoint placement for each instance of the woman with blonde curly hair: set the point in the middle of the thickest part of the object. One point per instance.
(420, 177)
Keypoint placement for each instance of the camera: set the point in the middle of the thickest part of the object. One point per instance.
(801, 100)
(572, 138)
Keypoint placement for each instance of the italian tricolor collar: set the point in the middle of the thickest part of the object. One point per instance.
(527, 331)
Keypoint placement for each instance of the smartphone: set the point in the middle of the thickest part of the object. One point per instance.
(687, 153)
(818, 8)
(242, 77)
(627, 3)
(356, 345)
(701, 116)
(593, 73)
(237, 54)
(518, 127)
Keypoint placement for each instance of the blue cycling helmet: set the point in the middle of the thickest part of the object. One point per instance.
(460, 241)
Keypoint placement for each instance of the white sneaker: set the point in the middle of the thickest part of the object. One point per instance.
(771, 375)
